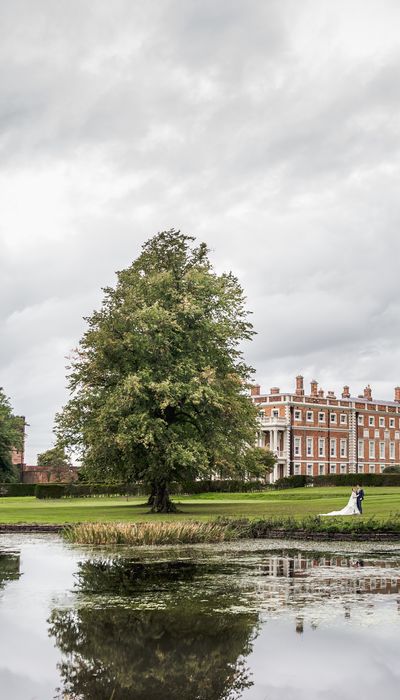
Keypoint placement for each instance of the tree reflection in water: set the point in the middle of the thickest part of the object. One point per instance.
(193, 649)
(9, 567)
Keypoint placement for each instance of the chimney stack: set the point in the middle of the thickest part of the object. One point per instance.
(314, 388)
(331, 394)
(274, 390)
(321, 393)
(368, 393)
(397, 394)
(299, 385)
(255, 390)
(346, 392)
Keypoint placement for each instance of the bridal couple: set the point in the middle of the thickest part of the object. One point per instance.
(354, 506)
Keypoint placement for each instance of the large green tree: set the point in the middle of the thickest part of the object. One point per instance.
(11, 437)
(158, 382)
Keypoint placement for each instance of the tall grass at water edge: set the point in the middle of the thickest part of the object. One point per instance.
(221, 529)
(149, 533)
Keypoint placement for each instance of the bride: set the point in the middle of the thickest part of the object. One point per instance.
(350, 509)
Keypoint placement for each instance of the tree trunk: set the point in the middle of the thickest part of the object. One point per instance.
(161, 500)
(152, 496)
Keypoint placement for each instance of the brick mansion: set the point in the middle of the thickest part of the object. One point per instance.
(314, 433)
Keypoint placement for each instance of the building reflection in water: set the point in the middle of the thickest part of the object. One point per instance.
(303, 581)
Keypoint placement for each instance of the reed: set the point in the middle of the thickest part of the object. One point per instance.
(150, 533)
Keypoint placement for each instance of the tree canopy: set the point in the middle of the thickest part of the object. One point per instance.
(55, 457)
(158, 382)
(11, 437)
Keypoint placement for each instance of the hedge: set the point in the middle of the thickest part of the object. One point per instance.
(17, 489)
(75, 490)
(353, 479)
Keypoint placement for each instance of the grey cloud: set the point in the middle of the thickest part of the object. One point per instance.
(268, 129)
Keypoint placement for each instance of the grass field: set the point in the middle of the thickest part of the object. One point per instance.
(379, 502)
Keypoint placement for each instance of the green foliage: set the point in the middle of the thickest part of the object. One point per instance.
(17, 489)
(55, 457)
(157, 383)
(11, 437)
(50, 490)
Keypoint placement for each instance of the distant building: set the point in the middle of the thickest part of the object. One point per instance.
(48, 475)
(315, 434)
(30, 474)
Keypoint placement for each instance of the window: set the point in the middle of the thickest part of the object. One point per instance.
(297, 469)
(343, 418)
(332, 469)
(371, 421)
(343, 448)
(371, 449)
(397, 435)
(297, 446)
(381, 450)
(333, 447)
(309, 447)
(372, 468)
(391, 450)
(361, 449)
(366, 432)
(321, 447)
(360, 420)
(321, 417)
(377, 433)
(275, 413)
(381, 422)
(309, 469)
(360, 468)
(333, 417)
(297, 415)
(343, 469)
(310, 416)
(261, 414)
(391, 422)
(321, 469)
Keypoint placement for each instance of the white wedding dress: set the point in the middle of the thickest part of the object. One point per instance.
(350, 509)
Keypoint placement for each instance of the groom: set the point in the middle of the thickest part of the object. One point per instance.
(360, 498)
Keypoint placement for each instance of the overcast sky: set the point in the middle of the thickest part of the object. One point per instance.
(269, 129)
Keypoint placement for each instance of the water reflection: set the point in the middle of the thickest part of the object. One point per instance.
(251, 620)
(9, 567)
(186, 650)
(184, 627)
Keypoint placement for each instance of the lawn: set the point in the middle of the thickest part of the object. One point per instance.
(379, 502)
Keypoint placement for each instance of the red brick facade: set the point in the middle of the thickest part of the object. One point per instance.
(313, 433)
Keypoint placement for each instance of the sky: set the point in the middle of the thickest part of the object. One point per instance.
(268, 128)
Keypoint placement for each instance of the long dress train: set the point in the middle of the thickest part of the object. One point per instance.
(349, 509)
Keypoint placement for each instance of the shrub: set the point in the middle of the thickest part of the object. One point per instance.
(293, 482)
(50, 490)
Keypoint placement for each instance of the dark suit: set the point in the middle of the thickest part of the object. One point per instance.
(360, 498)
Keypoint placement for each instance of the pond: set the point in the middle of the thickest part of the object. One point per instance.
(256, 620)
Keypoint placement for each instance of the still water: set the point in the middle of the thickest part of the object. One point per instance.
(255, 620)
